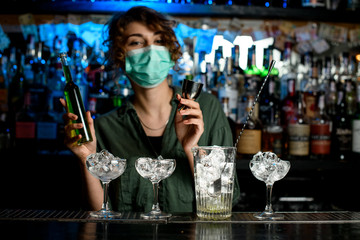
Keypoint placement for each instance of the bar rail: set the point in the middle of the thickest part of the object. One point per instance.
(134, 217)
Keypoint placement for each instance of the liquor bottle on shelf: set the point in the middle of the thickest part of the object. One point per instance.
(304, 72)
(74, 102)
(228, 88)
(252, 72)
(3, 88)
(250, 141)
(324, 75)
(287, 71)
(335, 69)
(29, 59)
(269, 104)
(238, 72)
(25, 127)
(38, 89)
(350, 96)
(269, 100)
(342, 131)
(311, 90)
(331, 101)
(288, 104)
(4, 120)
(268, 57)
(200, 71)
(298, 131)
(99, 96)
(95, 63)
(16, 92)
(344, 73)
(218, 68)
(11, 63)
(356, 126)
(272, 139)
(320, 132)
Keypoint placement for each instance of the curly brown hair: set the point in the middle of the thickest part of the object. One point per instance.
(151, 18)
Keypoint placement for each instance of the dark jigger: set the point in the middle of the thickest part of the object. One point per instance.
(190, 90)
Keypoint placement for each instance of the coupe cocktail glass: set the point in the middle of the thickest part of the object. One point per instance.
(155, 170)
(267, 167)
(106, 167)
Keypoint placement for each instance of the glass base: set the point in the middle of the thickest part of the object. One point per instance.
(269, 216)
(155, 215)
(105, 214)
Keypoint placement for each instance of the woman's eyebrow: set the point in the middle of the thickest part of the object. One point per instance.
(135, 35)
(140, 35)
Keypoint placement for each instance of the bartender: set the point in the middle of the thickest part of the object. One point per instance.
(143, 44)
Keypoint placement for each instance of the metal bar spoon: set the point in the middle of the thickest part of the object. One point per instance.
(217, 182)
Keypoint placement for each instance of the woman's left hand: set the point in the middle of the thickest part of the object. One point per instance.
(189, 124)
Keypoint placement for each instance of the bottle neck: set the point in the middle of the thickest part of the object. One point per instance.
(66, 68)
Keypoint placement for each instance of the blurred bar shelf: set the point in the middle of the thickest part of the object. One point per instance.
(176, 9)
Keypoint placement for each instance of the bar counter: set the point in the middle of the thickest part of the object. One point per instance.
(61, 224)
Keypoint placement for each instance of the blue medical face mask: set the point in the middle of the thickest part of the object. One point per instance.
(148, 66)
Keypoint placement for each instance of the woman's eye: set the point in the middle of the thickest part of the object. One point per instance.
(159, 41)
(135, 43)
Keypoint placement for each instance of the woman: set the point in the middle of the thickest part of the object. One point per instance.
(143, 44)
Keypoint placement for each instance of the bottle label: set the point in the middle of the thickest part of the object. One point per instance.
(320, 138)
(310, 103)
(250, 142)
(343, 136)
(299, 136)
(356, 136)
(25, 130)
(46, 130)
(288, 111)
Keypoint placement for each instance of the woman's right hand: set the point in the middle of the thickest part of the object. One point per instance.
(85, 149)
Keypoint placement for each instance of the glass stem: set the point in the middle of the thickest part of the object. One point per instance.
(268, 208)
(155, 206)
(105, 205)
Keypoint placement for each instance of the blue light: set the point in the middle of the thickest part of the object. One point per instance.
(63, 79)
(285, 5)
(43, 61)
(168, 1)
(229, 2)
(267, 4)
(31, 61)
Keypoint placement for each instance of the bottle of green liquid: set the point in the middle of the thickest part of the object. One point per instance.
(74, 102)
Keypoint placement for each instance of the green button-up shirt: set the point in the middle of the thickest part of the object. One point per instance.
(121, 133)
